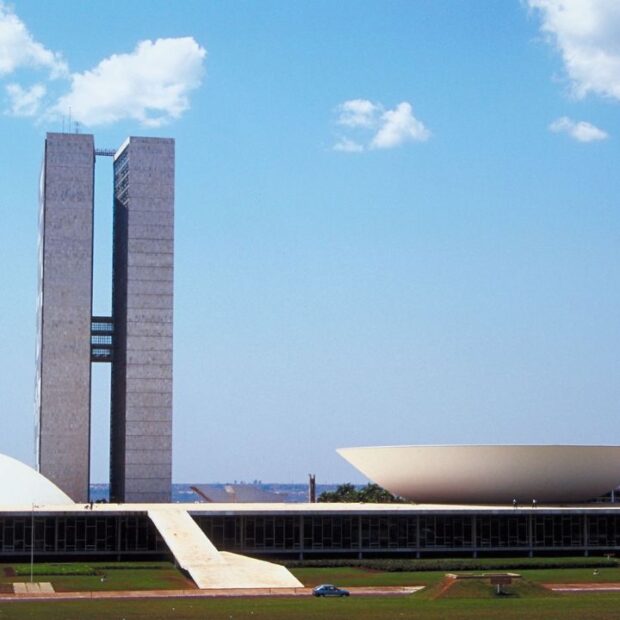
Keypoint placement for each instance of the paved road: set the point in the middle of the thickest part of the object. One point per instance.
(142, 594)
(577, 588)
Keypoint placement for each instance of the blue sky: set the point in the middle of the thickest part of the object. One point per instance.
(396, 222)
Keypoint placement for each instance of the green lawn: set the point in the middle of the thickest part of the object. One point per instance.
(467, 599)
(582, 607)
(97, 576)
(343, 576)
(461, 564)
(573, 575)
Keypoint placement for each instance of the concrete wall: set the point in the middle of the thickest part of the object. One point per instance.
(141, 416)
(64, 313)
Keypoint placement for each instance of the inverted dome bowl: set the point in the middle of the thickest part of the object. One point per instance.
(488, 474)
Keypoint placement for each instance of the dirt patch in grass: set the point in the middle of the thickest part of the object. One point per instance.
(440, 589)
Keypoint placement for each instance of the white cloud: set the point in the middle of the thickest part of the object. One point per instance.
(578, 130)
(587, 34)
(379, 128)
(398, 126)
(25, 101)
(358, 113)
(150, 85)
(346, 145)
(19, 49)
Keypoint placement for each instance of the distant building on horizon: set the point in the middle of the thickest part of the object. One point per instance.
(136, 339)
(237, 493)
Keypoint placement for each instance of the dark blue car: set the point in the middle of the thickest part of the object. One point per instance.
(328, 590)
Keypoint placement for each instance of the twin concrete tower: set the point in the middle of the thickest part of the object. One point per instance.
(136, 340)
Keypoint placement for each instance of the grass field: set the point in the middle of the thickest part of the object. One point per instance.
(359, 577)
(98, 576)
(581, 607)
(467, 599)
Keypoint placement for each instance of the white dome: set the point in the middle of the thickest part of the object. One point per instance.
(490, 474)
(22, 485)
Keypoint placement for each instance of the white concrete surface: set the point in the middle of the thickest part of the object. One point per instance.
(23, 485)
(344, 509)
(209, 568)
(484, 474)
(25, 587)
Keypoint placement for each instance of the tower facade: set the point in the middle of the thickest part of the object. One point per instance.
(64, 312)
(136, 338)
(142, 300)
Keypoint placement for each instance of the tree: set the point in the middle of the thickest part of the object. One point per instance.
(370, 494)
(374, 494)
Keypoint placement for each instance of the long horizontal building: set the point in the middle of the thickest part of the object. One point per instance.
(316, 530)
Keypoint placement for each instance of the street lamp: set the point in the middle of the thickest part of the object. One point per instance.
(32, 542)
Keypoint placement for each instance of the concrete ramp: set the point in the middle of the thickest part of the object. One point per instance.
(208, 567)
